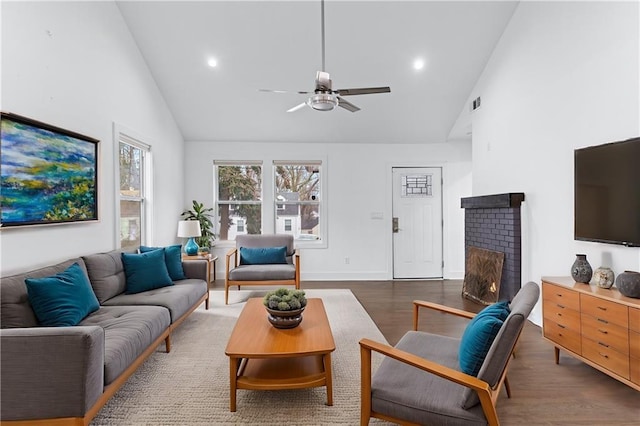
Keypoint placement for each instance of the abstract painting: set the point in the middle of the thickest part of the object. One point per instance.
(47, 174)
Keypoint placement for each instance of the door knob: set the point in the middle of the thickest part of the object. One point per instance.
(395, 225)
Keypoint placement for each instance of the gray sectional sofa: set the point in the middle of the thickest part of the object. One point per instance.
(66, 374)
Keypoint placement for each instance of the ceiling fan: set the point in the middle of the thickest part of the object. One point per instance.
(324, 98)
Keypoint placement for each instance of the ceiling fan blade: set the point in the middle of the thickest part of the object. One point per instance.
(297, 107)
(347, 105)
(283, 91)
(362, 91)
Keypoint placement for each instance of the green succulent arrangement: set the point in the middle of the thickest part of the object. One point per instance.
(284, 299)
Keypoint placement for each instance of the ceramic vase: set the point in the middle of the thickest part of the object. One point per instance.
(581, 270)
(628, 283)
(603, 277)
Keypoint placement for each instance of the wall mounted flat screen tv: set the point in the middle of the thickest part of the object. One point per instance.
(607, 193)
(48, 175)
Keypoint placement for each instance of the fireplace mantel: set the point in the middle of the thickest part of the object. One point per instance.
(496, 201)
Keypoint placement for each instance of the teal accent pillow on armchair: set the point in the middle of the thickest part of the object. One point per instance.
(172, 258)
(479, 335)
(145, 271)
(63, 299)
(263, 255)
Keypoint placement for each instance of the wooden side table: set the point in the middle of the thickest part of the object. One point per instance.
(211, 264)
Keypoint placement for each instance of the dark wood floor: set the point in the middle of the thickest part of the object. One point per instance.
(543, 393)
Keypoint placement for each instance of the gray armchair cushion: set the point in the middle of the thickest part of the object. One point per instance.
(498, 355)
(15, 309)
(266, 240)
(128, 331)
(263, 272)
(402, 391)
(177, 298)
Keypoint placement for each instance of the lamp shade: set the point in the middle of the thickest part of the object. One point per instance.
(189, 228)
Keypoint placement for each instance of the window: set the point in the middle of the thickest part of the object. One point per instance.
(238, 198)
(134, 189)
(298, 191)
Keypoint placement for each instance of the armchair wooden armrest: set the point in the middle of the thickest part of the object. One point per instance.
(417, 304)
(486, 395)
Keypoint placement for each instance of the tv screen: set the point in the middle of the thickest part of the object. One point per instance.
(607, 193)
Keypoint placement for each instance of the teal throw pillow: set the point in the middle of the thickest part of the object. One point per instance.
(63, 299)
(479, 335)
(172, 258)
(145, 271)
(263, 255)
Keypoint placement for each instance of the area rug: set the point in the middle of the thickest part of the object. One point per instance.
(190, 385)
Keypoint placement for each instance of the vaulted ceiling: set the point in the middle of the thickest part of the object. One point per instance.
(277, 45)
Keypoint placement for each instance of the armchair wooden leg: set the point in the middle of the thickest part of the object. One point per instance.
(365, 386)
(226, 294)
(167, 343)
(507, 387)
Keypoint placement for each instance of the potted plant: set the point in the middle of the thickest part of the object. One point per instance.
(285, 307)
(201, 214)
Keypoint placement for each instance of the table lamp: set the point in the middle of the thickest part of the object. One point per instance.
(189, 229)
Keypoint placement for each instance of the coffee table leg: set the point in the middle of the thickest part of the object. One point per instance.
(326, 360)
(233, 376)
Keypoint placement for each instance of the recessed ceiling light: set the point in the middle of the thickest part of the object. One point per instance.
(418, 64)
(212, 62)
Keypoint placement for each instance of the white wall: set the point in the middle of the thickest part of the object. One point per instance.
(359, 183)
(564, 75)
(75, 65)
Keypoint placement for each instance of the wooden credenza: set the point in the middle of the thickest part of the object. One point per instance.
(600, 327)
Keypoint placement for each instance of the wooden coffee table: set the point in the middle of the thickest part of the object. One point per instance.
(262, 357)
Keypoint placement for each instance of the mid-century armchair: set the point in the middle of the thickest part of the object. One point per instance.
(285, 271)
(420, 381)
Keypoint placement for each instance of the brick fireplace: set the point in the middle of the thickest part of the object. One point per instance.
(492, 222)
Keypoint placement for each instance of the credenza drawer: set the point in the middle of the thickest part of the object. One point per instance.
(562, 296)
(634, 319)
(605, 309)
(634, 344)
(607, 333)
(562, 315)
(634, 370)
(563, 336)
(607, 357)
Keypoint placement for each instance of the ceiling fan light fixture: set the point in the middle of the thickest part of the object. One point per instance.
(323, 101)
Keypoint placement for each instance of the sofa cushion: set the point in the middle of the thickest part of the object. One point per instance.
(106, 273)
(63, 299)
(178, 299)
(263, 255)
(145, 271)
(15, 309)
(172, 258)
(263, 272)
(479, 335)
(405, 392)
(128, 331)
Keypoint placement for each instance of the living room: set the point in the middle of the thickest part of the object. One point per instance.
(562, 75)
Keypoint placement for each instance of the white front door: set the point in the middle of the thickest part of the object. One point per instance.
(417, 222)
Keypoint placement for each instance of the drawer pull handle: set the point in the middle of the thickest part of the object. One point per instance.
(603, 344)
(558, 294)
(602, 308)
(560, 306)
(561, 326)
(604, 355)
(604, 321)
(603, 331)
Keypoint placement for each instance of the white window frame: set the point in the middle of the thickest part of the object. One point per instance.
(217, 202)
(123, 135)
(269, 201)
